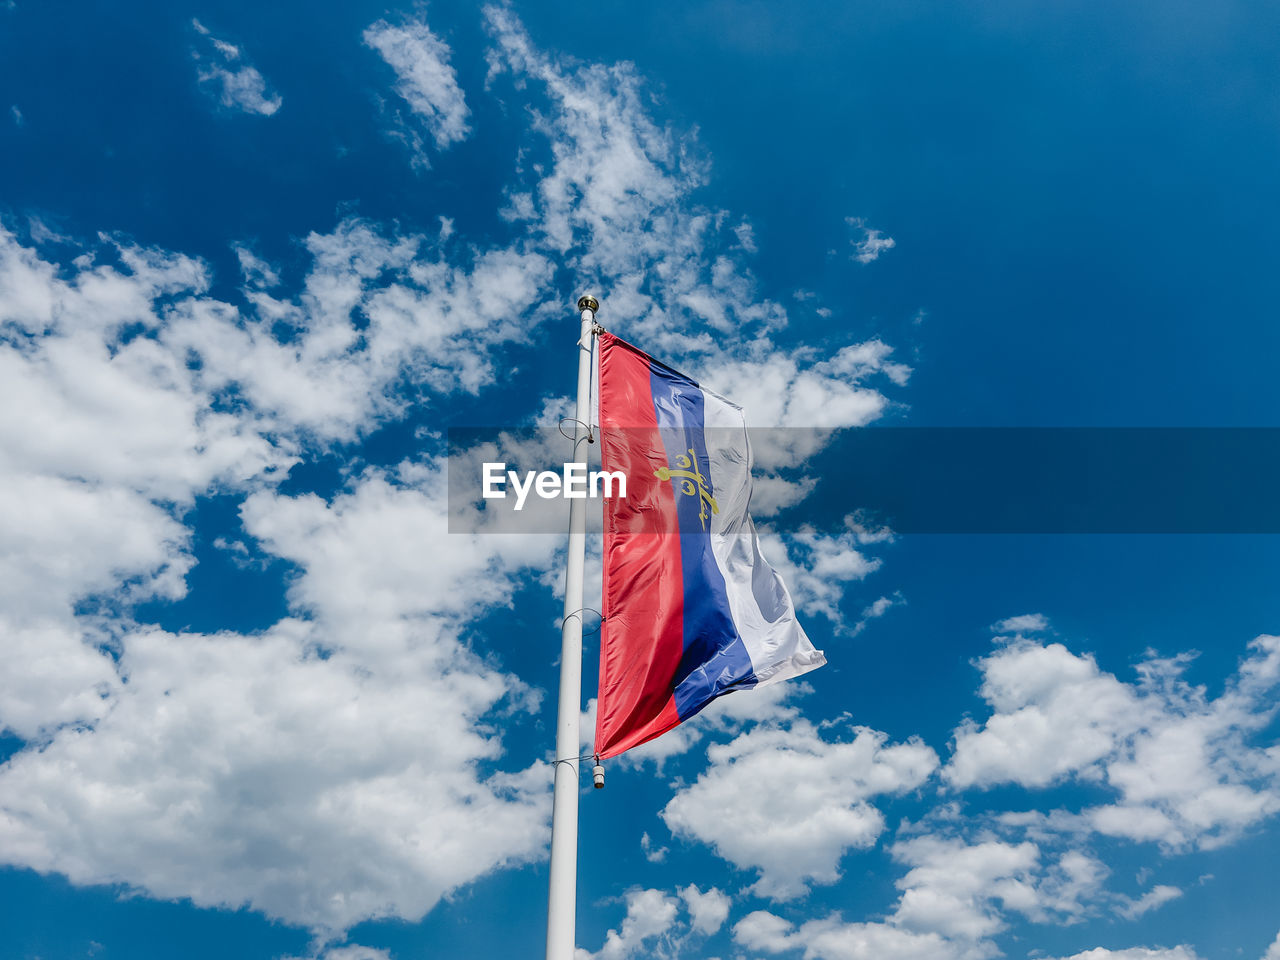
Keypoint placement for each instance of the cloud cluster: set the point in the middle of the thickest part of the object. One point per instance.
(273, 769)
(268, 770)
(376, 306)
(348, 952)
(346, 762)
(613, 201)
(1136, 953)
(1179, 761)
(966, 876)
(105, 437)
(789, 802)
(656, 925)
(954, 899)
(325, 771)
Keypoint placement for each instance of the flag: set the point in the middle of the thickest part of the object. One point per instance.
(691, 609)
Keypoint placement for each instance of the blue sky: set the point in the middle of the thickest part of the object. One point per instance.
(256, 258)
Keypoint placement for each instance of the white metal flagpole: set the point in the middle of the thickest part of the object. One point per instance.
(562, 899)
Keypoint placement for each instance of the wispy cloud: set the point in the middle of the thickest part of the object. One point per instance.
(426, 81)
(1153, 899)
(652, 852)
(868, 243)
(256, 271)
(222, 67)
(347, 952)
(1023, 623)
(876, 610)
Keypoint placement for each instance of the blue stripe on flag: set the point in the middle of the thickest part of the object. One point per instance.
(715, 659)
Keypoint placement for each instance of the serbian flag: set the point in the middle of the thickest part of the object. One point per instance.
(691, 609)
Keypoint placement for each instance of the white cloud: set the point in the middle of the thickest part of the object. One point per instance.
(656, 926)
(789, 803)
(239, 85)
(761, 930)
(877, 609)
(329, 377)
(770, 494)
(652, 852)
(611, 195)
(1273, 951)
(832, 939)
(55, 673)
(1136, 953)
(18, 118)
(951, 885)
(105, 438)
(779, 390)
(41, 232)
(59, 541)
(1153, 899)
(650, 915)
(861, 360)
(616, 207)
(1054, 713)
(348, 952)
(708, 910)
(258, 273)
(319, 748)
(1025, 623)
(363, 558)
(271, 770)
(314, 747)
(426, 81)
(356, 952)
(1179, 761)
(868, 244)
(954, 900)
(181, 765)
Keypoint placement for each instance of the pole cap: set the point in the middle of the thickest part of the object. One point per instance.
(588, 302)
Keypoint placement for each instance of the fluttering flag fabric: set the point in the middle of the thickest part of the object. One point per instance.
(691, 609)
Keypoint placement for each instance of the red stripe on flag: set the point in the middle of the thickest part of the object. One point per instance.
(642, 637)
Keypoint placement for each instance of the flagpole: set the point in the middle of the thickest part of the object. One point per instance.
(562, 896)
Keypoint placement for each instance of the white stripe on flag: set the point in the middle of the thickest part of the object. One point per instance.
(759, 602)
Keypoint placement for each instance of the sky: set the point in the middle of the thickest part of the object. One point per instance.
(257, 259)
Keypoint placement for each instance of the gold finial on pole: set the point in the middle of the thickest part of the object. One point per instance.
(588, 302)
